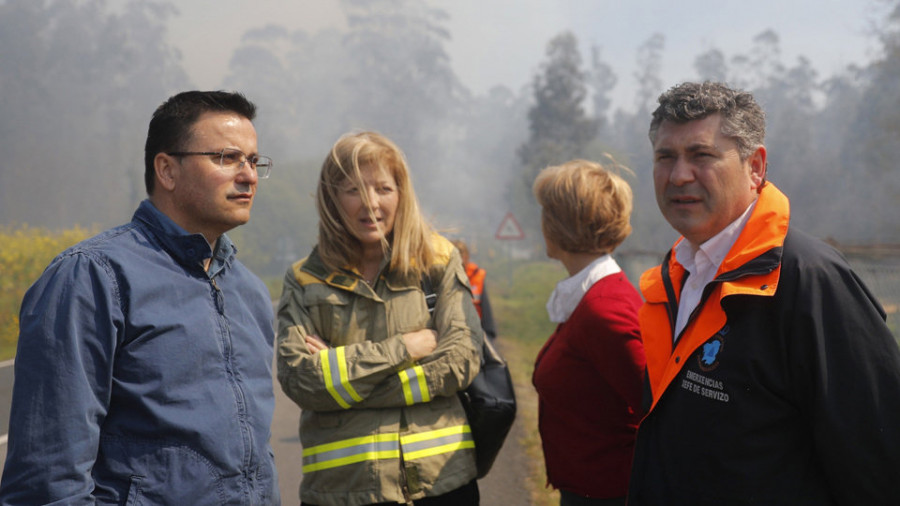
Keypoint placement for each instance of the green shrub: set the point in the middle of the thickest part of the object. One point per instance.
(25, 253)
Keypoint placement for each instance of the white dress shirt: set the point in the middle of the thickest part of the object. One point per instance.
(702, 263)
(570, 291)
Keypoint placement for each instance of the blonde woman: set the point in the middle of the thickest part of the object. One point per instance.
(374, 372)
(589, 373)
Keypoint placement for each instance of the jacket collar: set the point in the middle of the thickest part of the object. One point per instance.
(756, 250)
(187, 249)
(313, 270)
(347, 278)
(752, 267)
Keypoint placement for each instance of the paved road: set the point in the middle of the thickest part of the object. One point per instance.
(505, 485)
(6, 382)
(286, 445)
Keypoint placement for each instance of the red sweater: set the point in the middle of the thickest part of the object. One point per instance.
(589, 379)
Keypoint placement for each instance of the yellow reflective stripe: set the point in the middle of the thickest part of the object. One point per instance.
(347, 443)
(404, 384)
(325, 357)
(430, 452)
(352, 459)
(337, 381)
(423, 385)
(350, 451)
(434, 434)
(414, 385)
(436, 442)
(345, 377)
(385, 447)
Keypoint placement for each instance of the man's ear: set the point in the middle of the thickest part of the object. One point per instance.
(758, 166)
(165, 167)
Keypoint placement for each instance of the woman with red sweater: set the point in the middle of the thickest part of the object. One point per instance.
(589, 374)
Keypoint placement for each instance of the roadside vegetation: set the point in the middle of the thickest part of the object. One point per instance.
(25, 253)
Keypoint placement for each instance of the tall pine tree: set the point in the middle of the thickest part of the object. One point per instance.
(560, 128)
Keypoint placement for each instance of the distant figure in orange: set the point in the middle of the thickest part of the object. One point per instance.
(479, 292)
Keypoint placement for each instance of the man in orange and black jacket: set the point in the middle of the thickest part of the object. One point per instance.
(772, 376)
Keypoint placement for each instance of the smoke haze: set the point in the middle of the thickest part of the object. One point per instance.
(452, 83)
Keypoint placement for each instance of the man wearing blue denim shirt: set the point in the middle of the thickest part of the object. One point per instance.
(143, 371)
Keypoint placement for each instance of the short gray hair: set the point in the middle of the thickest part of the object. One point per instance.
(742, 118)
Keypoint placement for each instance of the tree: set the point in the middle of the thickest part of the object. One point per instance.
(790, 106)
(871, 150)
(602, 80)
(756, 70)
(474, 193)
(629, 142)
(300, 82)
(79, 85)
(388, 72)
(649, 67)
(560, 129)
(711, 66)
(400, 73)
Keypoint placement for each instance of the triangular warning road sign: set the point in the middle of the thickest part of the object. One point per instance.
(509, 228)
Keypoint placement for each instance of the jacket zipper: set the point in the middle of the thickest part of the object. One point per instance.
(229, 368)
(404, 479)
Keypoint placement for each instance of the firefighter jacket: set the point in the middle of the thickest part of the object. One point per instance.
(783, 387)
(376, 426)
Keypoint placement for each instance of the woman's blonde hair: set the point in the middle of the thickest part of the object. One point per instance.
(586, 207)
(408, 244)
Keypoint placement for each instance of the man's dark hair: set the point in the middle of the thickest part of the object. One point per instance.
(172, 123)
(742, 118)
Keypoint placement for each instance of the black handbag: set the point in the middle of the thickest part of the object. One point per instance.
(489, 401)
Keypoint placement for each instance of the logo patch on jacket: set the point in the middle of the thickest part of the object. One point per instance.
(708, 354)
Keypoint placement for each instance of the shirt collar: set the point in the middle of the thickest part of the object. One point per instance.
(716, 248)
(570, 291)
(188, 249)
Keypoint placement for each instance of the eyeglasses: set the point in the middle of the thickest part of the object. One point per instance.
(232, 160)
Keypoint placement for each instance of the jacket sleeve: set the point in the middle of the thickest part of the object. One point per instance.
(336, 378)
(69, 324)
(847, 364)
(456, 360)
(380, 374)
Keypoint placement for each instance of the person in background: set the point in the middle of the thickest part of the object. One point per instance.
(375, 375)
(773, 378)
(589, 374)
(143, 372)
(477, 277)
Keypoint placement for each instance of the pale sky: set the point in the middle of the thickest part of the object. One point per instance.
(503, 41)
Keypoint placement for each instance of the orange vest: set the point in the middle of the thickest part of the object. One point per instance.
(476, 281)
